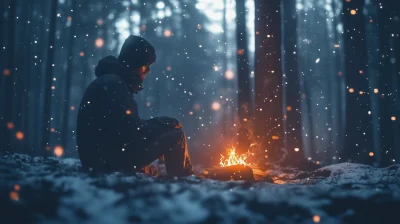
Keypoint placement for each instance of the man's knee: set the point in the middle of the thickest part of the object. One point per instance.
(174, 134)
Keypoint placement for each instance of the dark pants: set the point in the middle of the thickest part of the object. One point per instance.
(173, 146)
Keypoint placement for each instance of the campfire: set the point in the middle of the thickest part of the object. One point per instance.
(233, 166)
(234, 159)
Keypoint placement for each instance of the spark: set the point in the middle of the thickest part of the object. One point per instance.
(58, 151)
(19, 135)
(99, 42)
(316, 218)
(216, 106)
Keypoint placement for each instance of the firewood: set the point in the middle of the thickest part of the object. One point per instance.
(236, 172)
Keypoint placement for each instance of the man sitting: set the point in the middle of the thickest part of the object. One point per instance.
(110, 134)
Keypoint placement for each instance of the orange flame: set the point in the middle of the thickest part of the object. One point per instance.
(234, 159)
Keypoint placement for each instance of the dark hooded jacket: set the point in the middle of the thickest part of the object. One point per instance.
(109, 128)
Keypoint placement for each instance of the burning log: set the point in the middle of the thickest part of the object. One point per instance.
(235, 172)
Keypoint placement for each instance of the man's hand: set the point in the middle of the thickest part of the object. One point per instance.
(168, 121)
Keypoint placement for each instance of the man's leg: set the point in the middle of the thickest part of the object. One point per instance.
(172, 144)
(177, 159)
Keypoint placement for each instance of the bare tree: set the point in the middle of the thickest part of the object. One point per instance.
(9, 74)
(268, 76)
(358, 139)
(49, 78)
(242, 62)
(291, 86)
(388, 85)
(68, 78)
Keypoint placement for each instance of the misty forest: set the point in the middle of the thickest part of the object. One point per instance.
(290, 109)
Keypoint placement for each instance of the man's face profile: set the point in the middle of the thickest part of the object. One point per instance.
(143, 71)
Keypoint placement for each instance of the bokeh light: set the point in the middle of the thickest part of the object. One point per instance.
(99, 42)
(19, 135)
(58, 151)
(216, 106)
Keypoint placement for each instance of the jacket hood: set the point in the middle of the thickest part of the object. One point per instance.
(136, 52)
(111, 65)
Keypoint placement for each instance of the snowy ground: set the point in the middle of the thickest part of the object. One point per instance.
(53, 190)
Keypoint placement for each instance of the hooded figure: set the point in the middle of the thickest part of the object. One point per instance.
(110, 134)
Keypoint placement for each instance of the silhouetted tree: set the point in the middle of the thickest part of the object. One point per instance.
(268, 77)
(291, 82)
(48, 79)
(388, 89)
(358, 138)
(8, 75)
(68, 76)
(243, 74)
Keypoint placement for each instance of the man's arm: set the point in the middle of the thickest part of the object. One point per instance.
(122, 111)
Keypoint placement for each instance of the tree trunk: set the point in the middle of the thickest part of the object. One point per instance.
(358, 139)
(396, 26)
(36, 85)
(68, 78)
(268, 77)
(2, 76)
(387, 81)
(225, 81)
(340, 93)
(6, 142)
(25, 79)
(2, 30)
(242, 61)
(48, 79)
(372, 45)
(291, 87)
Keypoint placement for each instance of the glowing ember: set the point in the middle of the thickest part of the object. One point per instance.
(58, 151)
(10, 125)
(316, 218)
(99, 42)
(167, 33)
(229, 74)
(216, 106)
(6, 72)
(14, 196)
(371, 153)
(19, 135)
(234, 159)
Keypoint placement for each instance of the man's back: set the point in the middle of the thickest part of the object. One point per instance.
(107, 120)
